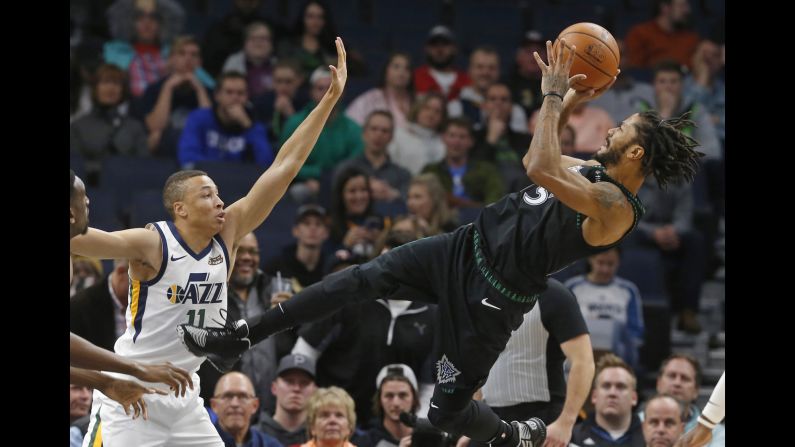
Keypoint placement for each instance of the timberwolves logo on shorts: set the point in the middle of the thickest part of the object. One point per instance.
(195, 291)
(446, 372)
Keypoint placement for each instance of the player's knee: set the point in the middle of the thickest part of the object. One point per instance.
(444, 420)
(344, 281)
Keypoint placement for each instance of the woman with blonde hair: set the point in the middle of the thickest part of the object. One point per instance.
(428, 201)
(331, 418)
(420, 143)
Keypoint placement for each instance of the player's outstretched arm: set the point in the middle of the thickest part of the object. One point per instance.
(83, 354)
(135, 244)
(129, 394)
(249, 212)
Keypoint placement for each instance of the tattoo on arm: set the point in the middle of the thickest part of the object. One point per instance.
(608, 196)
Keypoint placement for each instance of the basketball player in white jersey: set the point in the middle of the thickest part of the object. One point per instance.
(84, 357)
(178, 274)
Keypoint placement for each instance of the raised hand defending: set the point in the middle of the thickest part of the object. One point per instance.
(339, 74)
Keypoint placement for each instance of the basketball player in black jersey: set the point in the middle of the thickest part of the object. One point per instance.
(485, 276)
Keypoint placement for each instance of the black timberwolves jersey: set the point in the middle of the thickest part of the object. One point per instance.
(530, 234)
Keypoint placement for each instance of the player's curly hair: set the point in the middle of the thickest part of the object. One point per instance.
(670, 153)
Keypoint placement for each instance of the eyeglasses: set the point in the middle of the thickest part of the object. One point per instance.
(228, 397)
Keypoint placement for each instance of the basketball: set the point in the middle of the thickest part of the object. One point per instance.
(596, 54)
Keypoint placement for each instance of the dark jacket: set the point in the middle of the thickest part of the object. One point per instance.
(588, 429)
(91, 315)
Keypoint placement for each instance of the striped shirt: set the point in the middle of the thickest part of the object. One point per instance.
(530, 369)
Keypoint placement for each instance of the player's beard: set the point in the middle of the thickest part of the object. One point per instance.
(609, 157)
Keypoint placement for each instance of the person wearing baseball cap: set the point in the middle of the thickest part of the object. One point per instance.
(397, 392)
(440, 74)
(304, 260)
(294, 384)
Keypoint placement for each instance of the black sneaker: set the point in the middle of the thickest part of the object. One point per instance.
(223, 346)
(532, 432)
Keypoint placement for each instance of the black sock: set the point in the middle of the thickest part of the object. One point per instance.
(506, 436)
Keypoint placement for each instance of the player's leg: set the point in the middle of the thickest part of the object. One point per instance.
(418, 269)
(411, 269)
(110, 426)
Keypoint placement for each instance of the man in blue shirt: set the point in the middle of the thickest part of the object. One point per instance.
(225, 132)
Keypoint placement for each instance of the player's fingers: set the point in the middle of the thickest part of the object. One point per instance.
(144, 410)
(550, 53)
(561, 50)
(577, 78)
(569, 58)
(540, 63)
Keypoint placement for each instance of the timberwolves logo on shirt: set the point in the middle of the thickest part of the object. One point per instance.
(446, 372)
(195, 291)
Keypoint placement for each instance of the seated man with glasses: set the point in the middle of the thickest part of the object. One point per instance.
(234, 402)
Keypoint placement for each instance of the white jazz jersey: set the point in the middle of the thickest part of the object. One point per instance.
(189, 288)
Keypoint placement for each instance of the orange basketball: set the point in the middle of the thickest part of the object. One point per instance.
(596, 54)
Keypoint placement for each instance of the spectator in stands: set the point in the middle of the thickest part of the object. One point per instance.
(304, 260)
(395, 331)
(498, 142)
(440, 74)
(273, 108)
(97, 313)
(667, 226)
(225, 132)
(670, 101)
(142, 55)
(603, 295)
(664, 422)
(79, 402)
(484, 71)
(87, 272)
(354, 225)
(680, 376)
(567, 137)
(525, 81)
(331, 418)
(340, 139)
(388, 181)
(312, 42)
(396, 393)
(293, 386)
(614, 394)
(80, 398)
(394, 93)
(627, 93)
(469, 183)
(705, 86)
(666, 36)
(166, 103)
(404, 229)
(107, 129)
(590, 124)
(427, 201)
(235, 402)
(255, 60)
(420, 142)
(226, 36)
